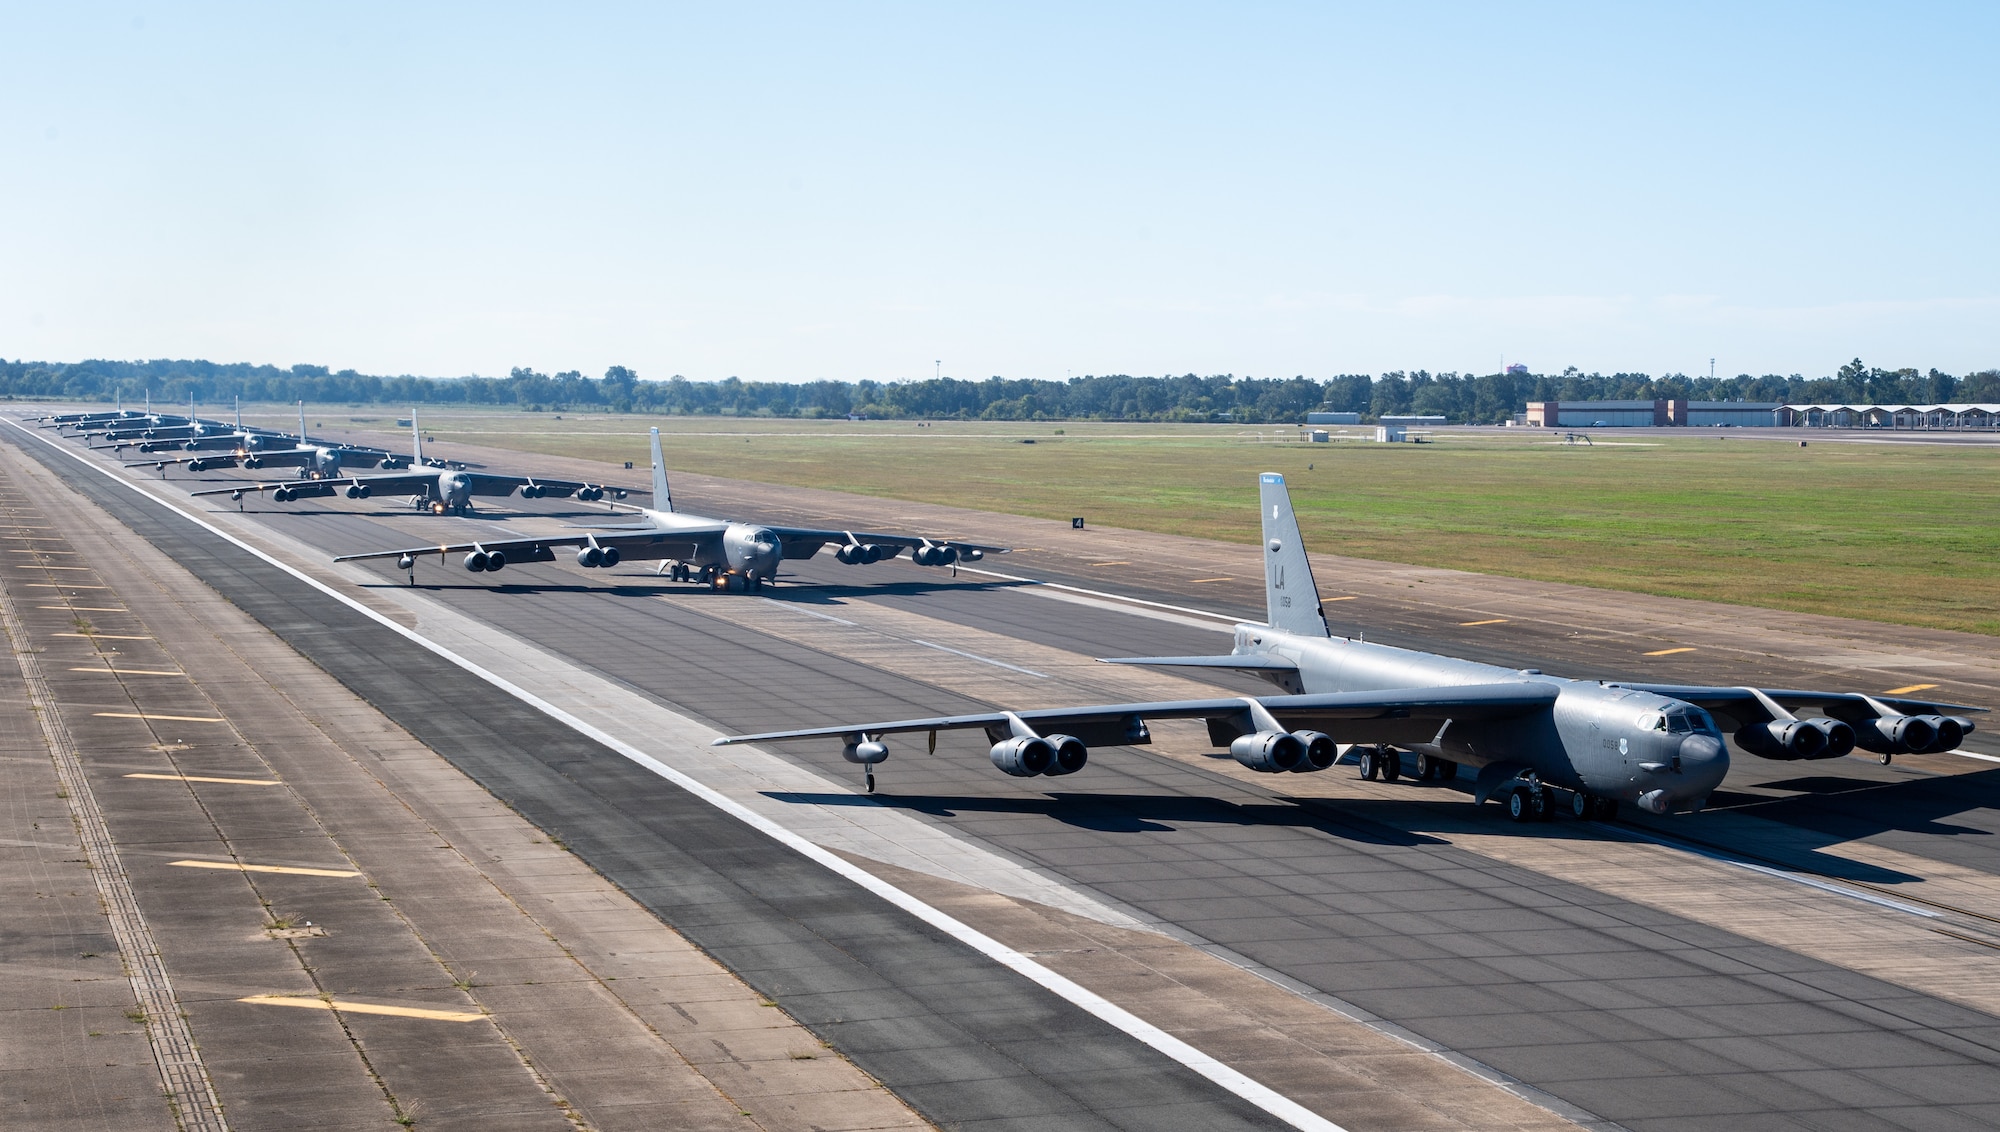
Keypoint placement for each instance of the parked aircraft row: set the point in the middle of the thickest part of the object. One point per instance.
(1539, 742)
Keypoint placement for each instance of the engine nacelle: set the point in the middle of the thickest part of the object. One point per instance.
(1024, 757)
(195, 465)
(253, 463)
(972, 555)
(610, 555)
(1789, 740)
(1951, 731)
(530, 491)
(406, 563)
(1896, 734)
(475, 561)
(284, 495)
(850, 555)
(495, 560)
(868, 752)
(1321, 751)
(935, 555)
(1269, 751)
(1071, 754)
(589, 556)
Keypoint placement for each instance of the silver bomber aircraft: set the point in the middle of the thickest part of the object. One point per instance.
(436, 488)
(726, 555)
(1533, 738)
(261, 449)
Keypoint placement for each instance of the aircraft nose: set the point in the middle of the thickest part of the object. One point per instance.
(1704, 761)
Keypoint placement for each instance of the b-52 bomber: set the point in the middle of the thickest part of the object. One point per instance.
(1532, 737)
(258, 449)
(730, 556)
(435, 487)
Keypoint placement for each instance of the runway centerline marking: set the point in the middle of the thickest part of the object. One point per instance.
(1209, 1067)
(1493, 621)
(1670, 652)
(362, 1007)
(151, 715)
(205, 778)
(1908, 690)
(287, 870)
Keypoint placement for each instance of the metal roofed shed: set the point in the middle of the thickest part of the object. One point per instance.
(1981, 415)
(1652, 414)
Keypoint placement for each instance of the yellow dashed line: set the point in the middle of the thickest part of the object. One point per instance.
(1668, 652)
(1119, 563)
(363, 1008)
(1495, 621)
(1197, 581)
(126, 671)
(150, 715)
(1908, 690)
(201, 778)
(1348, 598)
(288, 870)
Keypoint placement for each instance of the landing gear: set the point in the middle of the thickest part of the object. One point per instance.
(868, 778)
(1392, 764)
(1528, 803)
(1371, 763)
(1582, 806)
(1885, 758)
(1430, 768)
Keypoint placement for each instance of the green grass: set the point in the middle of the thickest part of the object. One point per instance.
(1891, 533)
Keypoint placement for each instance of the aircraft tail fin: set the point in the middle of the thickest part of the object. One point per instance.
(416, 438)
(302, 422)
(1291, 599)
(239, 412)
(663, 497)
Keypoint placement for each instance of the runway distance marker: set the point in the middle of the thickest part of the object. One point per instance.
(150, 715)
(363, 1007)
(204, 778)
(287, 870)
(1494, 621)
(1908, 690)
(1119, 1018)
(1668, 652)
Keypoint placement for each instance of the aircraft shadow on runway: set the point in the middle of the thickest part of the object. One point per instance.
(1126, 813)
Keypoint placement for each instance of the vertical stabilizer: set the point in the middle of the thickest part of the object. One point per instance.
(663, 498)
(1290, 597)
(302, 422)
(239, 412)
(416, 439)
(192, 420)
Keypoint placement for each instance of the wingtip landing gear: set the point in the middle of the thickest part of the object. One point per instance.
(868, 779)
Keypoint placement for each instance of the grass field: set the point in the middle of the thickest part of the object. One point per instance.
(1892, 533)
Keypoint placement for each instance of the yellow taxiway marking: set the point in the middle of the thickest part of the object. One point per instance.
(102, 636)
(288, 870)
(1495, 621)
(68, 567)
(1908, 690)
(1118, 563)
(87, 608)
(63, 586)
(1670, 652)
(150, 715)
(127, 671)
(203, 778)
(363, 1007)
(1198, 581)
(1349, 597)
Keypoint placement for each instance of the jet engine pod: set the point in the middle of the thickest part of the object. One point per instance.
(868, 752)
(194, 465)
(1269, 751)
(284, 495)
(972, 555)
(845, 556)
(406, 563)
(354, 491)
(935, 555)
(1783, 739)
(610, 555)
(1071, 754)
(530, 491)
(1839, 738)
(363, 491)
(1321, 751)
(495, 560)
(589, 556)
(1025, 757)
(1950, 731)
(475, 561)
(1896, 734)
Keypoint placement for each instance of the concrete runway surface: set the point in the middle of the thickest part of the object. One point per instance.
(1817, 951)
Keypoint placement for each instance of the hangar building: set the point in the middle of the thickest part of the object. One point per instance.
(1651, 414)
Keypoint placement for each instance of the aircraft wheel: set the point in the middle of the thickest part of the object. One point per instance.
(753, 583)
(1392, 766)
(1371, 764)
(1886, 758)
(1582, 806)
(1426, 768)
(1521, 804)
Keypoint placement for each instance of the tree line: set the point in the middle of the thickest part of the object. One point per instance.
(1462, 398)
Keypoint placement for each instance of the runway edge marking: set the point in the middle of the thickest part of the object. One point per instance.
(1232, 1080)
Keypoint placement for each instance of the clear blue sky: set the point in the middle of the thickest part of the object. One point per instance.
(849, 191)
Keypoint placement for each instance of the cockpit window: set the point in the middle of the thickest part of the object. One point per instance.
(1678, 723)
(1650, 721)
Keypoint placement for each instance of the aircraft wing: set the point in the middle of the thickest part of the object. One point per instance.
(1349, 717)
(1743, 706)
(1240, 662)
(639, 544)
(388, 482)
(804, 542)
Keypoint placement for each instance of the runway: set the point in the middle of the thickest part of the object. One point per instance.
(1618, 980)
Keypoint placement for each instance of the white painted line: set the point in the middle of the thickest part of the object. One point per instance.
(1091, 593)
(1255, 1092)
(1720, 857)
(982, 659)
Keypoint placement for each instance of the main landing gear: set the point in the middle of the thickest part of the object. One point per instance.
(1532, 801)
(1386, 763)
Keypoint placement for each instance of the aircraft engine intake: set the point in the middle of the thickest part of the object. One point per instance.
(1896, 734)
(1071, 754)
(1788, 740)
(1025, 756)
(935, 555)
(610, 555)
(475, 561)
(284, 495)
(1269, 751)
(589, 556)
(194, 465)
(495, 560)
(868, 752)
(1950, 730)
(1321, 751)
